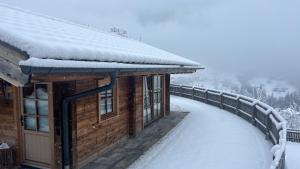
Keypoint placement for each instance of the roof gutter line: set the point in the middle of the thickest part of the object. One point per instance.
(67, 118)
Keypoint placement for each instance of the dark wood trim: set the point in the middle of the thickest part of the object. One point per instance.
(17, 116)
(51, 125)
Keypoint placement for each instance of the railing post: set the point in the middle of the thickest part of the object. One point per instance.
(268, 127)
(206, 95)
(193, 93)
(221, 100)
(254, 114)
(180, 91)
(237, 110)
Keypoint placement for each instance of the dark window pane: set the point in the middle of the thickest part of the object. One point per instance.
(28, 92)
(30, 123)
(41, 91)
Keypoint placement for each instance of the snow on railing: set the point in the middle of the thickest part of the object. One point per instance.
(261, 115)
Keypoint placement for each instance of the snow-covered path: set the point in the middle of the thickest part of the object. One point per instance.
(208, 138)
(292, 155)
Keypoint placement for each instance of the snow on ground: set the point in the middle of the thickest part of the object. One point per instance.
(208, 138)
(293, 155)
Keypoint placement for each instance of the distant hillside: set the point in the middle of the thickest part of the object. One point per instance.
(277, 93)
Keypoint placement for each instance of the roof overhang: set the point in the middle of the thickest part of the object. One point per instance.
(50, 66)
(12, 73)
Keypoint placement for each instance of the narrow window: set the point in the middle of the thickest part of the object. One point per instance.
(106, 102)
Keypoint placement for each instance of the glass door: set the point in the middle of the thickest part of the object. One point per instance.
(36, 124)
(152, 94)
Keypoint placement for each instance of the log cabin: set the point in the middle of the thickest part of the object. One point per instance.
(69, 92)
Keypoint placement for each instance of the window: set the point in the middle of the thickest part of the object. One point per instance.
(107, 101)
(36, 112)
(152, 91)
(6, 93)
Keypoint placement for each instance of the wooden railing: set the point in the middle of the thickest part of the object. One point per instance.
(261, 115)
(293, 135)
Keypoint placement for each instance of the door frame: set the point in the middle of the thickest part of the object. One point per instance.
(163, 98)
(52, 164)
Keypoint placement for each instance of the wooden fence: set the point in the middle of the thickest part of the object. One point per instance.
(293, 135)
(261, 115)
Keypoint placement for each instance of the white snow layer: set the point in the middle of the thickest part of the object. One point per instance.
(208, 138)
(51, 38)
(36, 62)
(292, 155)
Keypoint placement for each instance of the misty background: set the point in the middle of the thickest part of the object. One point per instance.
(248, 37)
(250, 47)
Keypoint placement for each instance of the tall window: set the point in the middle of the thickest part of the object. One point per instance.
(106, 101)
(152, 88)
(36, 113)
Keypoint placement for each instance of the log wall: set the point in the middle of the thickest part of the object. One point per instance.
(94, 136)
(9, 127)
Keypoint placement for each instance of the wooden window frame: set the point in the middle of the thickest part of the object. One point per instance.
(115, 101)
(37, 116)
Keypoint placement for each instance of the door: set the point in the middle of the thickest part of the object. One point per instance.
(36, 128)
(152, 93)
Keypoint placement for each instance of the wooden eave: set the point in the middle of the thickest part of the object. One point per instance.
(10, 70)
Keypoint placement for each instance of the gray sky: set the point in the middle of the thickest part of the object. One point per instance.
(245, 36)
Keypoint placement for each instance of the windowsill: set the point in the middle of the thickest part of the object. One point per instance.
(105, 118)
(108, 116)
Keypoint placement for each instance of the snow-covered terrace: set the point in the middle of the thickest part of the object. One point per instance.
(252, 136)
(208, 138)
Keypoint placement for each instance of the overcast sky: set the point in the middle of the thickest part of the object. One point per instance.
(245, 36)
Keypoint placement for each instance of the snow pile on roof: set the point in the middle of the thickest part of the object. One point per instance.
(53, 63)
(51, 38)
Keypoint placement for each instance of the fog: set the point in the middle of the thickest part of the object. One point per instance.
(248, 37)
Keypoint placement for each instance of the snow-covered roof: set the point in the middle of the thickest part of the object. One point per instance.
(46, 38)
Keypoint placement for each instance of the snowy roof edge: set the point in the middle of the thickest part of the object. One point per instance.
(58, 66)
(103, 47)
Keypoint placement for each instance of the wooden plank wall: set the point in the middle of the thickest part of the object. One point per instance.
(93, 139)
(9, 131)
(138, 102)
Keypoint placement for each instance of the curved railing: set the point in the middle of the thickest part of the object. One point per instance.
(293, 135)
(261, 115)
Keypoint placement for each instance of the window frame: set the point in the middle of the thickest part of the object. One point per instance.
(114, 100)
(153, 93)
(35, 115)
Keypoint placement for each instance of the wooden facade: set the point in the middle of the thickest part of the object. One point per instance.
(31, 108)
(92, 134)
